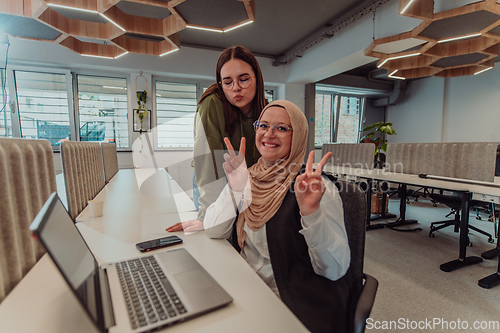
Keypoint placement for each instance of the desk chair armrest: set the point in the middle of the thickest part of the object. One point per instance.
(365, 303)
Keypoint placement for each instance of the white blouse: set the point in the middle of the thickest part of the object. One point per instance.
(323, 230)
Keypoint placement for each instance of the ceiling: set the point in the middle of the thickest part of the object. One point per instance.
(280, 25)
(282, 29)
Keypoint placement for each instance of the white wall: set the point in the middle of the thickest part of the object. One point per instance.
(418, 118)
(459, 109)
(186, 63)
(472, 108)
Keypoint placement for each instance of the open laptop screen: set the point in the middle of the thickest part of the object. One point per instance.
(60, 237)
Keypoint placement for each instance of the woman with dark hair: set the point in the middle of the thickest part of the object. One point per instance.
(228, 108)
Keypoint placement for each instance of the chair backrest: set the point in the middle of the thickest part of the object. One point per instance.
(27, 178)
(355, 155)
(83, 173)
(354, 205)
(110, 160)
(465, 160)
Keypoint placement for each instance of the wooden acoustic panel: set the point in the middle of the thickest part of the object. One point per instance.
(92, 49)
(466, 37)
(103, 20)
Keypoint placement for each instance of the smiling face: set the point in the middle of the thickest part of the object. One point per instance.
(270, 146)
(234, 70)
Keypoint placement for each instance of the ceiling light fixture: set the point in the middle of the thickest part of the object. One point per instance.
(406, 7)
(107, 18)
(483, 70)
(458, 38)
(96, 56)
(238, 26)
(161, 55)
(111, 87)
(396, 77)
(121, 55)
(398, 57)
(72, 8)
(205, 29)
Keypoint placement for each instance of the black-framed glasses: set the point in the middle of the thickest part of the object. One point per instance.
(278, 129)
(243, 82)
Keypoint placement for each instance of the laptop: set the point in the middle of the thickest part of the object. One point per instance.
(136, 295)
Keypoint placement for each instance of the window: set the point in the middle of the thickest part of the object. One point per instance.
(323, 118)
(348, 121)
(269, 95)
(102, 106)
(337, 117)
(5, 111)
(43, 106)
(175, 109)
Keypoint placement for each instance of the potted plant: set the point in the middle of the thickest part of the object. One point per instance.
(142, 110)
(380, 128)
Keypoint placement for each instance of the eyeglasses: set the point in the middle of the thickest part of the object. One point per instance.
(243, 82)
(278, 129)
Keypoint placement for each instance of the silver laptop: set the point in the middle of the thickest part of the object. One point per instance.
(136, 295)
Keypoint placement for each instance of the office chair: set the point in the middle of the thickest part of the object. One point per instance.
(454, 202)
(364, 287)
(27, 178)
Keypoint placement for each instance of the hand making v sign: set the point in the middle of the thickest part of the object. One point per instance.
(235, 166)
(309, 187)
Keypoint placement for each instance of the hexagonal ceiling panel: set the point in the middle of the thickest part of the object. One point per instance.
(460, 25)
(213, 13)
(460, 41)
(112, 28)
(26, 27)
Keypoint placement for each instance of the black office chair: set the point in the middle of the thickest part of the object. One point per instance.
(454, 202)
(364, 287)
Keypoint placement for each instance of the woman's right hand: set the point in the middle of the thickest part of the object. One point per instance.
(187, 226)
(235, 166)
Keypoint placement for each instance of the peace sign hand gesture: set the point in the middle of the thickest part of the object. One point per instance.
(235, 166)
(309, 187)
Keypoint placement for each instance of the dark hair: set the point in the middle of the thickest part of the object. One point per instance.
(230, 111)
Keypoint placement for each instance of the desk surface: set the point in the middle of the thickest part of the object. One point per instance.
(409, 179)
(44, 298)
(154, 191)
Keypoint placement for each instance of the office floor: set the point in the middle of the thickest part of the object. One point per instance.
(412, 288)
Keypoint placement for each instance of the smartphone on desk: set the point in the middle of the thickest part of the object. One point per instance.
(158, 243)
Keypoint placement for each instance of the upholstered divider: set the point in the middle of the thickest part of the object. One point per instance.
(110, 160)
(83, 173)
(356, 155)
(465, 160)
(27, 178)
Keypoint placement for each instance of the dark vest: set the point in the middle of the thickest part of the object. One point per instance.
(321, 304)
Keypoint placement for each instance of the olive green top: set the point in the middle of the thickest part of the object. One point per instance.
(209, 147)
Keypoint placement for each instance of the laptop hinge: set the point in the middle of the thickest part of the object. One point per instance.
(107, 307)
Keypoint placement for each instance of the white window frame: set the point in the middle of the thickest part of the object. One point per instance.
(130, 114)
(15, 116)
(335, 119)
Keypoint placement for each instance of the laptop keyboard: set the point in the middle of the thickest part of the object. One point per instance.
(148, 294)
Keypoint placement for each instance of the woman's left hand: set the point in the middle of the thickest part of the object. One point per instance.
(309, 187)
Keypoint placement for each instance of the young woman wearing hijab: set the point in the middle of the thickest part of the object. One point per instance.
(228, 108)
(290, 228)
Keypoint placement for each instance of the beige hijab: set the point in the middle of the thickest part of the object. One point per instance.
(270, 181)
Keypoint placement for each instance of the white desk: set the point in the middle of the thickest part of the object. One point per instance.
(479, 192)
(153, 191)
(42, 302)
